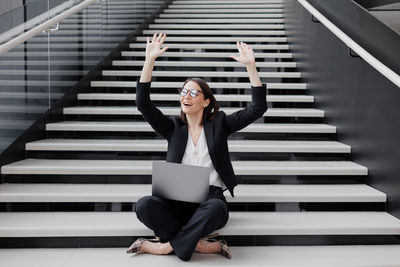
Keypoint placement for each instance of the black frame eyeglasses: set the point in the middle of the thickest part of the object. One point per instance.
(193, 92)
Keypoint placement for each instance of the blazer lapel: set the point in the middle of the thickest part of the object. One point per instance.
(209, 132)
(183, 137)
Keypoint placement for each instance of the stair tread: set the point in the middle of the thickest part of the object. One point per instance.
(175, 97)
(230, 5)
(161, 145)
(227, 2)
(205, 54)
(213, 26)
(144, 167)
(137, 73)
(272, 256)
(207, 46)
(226, 10)
(42, 224)
(227, 15)
(117, 126)
(218, 20)
(110, 110)
(217, 32)
(243, 193)
(203, 64)
(215, 85)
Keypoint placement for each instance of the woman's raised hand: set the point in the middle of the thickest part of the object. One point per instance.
(246, 54)
(153, 48)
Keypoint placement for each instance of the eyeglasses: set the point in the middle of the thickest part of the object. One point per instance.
(193, 92)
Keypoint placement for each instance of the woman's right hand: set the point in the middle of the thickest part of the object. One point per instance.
(153, 48)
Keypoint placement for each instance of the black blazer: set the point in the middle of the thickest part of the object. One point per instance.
(216, 130)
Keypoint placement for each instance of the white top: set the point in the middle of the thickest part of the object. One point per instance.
(199, 155)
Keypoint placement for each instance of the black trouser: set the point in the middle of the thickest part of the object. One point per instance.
(183, 223)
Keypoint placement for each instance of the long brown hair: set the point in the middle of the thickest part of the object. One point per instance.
(211, 110)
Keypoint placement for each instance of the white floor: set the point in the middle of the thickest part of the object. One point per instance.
(310, 256)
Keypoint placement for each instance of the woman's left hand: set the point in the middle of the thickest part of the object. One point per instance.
(246, 54)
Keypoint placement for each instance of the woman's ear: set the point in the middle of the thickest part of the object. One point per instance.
(207, 103)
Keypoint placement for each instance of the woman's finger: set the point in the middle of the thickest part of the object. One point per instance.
(154, 37)
(159, 37)
(239, 46)
(148, 40)
(234, 57)
(243, 46)
(164, 49)
(163, 38)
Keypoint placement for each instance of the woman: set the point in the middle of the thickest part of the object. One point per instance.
(197, 137)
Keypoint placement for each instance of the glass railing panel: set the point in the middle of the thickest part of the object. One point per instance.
(35, 74)
(24, 89)
(74, 49)
(33, 13)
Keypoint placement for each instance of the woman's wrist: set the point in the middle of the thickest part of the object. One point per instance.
(253, 74)
(150, 60)
(251, 66)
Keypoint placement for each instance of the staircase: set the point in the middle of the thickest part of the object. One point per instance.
(300, 201)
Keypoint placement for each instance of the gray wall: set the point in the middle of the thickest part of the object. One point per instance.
(358, 100)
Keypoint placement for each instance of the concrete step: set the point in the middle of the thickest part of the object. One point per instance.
(272, 256)
(214, 85)
(243, 193)
(130, 126)
(261, 146)
(108, 110)
(217, 26)
(218, 21)
(63, 224)
(175, 97)
(139, 63)
(231, 15)
(217, 32)
(225, 5)
(144, 167)
(204, 54)
(201, 39)
(213, 46)
(137, 73)
(222, 11)
(206, 2)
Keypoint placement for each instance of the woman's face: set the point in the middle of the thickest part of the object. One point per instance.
(194, 105)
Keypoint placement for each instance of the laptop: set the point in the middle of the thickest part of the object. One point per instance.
(180, 182)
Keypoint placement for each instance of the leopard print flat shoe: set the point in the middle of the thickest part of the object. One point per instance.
(225, 251)
(136, 246)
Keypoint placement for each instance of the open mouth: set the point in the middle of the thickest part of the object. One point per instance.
(187, 104)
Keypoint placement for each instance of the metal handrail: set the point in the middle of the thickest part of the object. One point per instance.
(370, 59)
(43, 27)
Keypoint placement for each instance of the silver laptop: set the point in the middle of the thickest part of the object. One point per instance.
(180, 182)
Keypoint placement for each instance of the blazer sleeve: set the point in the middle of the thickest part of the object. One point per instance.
(241, 118)
(161, 123)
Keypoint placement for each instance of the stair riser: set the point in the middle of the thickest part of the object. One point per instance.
(235, 136)
(146, 179)
(150, 155)
(125, 242)
(244, 90)
(130, 117)
(173, 103)
(128, 206)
